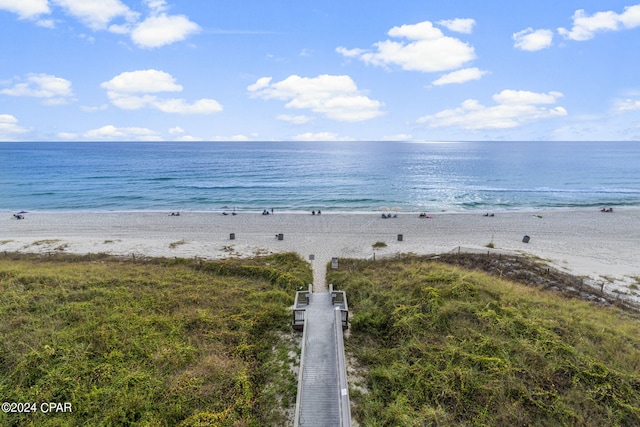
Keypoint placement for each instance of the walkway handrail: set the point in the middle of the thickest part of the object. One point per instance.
(325, 380)
(296, 421)
(300, 307)
(339, 298)
(343, 387)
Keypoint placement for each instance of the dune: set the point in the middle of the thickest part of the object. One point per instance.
(604, 247)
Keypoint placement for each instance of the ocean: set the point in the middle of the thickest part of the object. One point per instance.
(305, 176)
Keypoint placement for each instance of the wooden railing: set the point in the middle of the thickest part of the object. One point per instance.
(339, 299)
(296, 420)
(343, 387)
(339, 324)
(299, 308)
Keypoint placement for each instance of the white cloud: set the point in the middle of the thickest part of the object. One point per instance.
(94, 108)
(26, 9)
(234, 138)
(460, 76)
(67, 135)
(350, 53)
(177, 131)
(46, 23)
(427, 50)
(180, 106)
(88, 38)
(53, 90)
(180, 134)
(623, 105)
(586, 26)
(143, 81)
(9, 127)
(336, 97)
(398, 137)
(97, 14)
(298, 120)
(156, 30)
(161, 30)
(525, 97)
(111, 132)
(156, 6)
(130, 102)
(320, 136)
(513, 109)
(261, 83)
(188, 138)
(459, 25)
(532, 40)
(420, 31)
(134, 90)
(240, 138)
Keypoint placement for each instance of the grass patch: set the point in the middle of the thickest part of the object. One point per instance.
(159, 343)
(490, 245)
(379, 245)
(174, 245)
(45, 242)
(443, 345)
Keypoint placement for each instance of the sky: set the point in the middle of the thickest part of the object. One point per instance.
(292, 70)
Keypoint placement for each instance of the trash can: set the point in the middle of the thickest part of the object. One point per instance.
(400, 237)
(232, 236)
(280, 236)
(525, 239)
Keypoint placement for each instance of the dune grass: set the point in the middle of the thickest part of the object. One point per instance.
(154, 343)
(441, 345)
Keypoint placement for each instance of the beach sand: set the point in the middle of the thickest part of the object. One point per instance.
(585, 242)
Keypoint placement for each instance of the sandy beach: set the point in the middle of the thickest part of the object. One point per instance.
(602, 246)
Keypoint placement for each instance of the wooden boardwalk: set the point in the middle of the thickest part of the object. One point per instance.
(323, 398)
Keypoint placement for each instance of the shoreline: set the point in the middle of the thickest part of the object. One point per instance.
(501, 210)
(602, 246)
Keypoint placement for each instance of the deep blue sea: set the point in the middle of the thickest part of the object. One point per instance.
(301, 176)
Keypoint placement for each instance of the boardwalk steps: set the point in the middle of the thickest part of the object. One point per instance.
(323, 394)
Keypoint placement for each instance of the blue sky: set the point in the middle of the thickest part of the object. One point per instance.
(78, 70)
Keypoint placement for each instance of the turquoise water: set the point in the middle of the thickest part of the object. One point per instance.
(301, 176)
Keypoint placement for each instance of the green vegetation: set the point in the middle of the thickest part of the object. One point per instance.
(441, 345)
(490, 245)
(174, 245)
(378, 245)
(153, 343)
